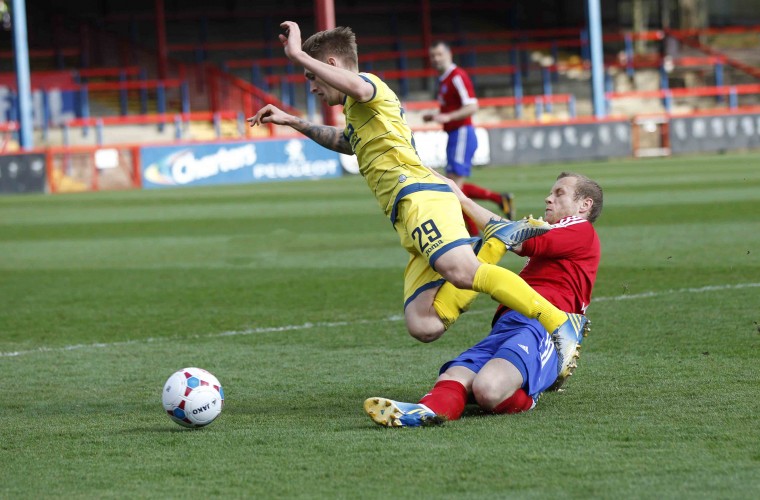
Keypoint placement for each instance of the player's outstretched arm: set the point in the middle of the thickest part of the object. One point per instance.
(459, 114)
(480, 215)
(324, 135)
(344, 80)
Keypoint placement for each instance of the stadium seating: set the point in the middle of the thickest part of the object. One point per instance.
(223, 64)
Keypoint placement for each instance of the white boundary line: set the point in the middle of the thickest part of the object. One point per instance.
(701, 289)
(332, 324)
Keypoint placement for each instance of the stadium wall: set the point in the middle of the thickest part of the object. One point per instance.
(714, 132)
(22, 173)
(543, 143)
(129, 166)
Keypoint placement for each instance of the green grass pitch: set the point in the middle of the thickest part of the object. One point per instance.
(291, 294)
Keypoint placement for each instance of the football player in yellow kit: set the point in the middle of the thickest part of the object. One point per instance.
(444, 271)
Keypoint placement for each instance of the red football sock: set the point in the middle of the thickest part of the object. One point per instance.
(472, 228)
(516, 403)
(480, 193)
(446, 398)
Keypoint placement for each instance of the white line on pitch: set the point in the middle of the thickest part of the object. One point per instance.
(330, 324)
(701, 289)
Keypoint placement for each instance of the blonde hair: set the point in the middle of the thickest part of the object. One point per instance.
(338, 42)
(586, 188)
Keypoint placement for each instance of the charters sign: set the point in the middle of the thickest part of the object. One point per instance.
(206, 164)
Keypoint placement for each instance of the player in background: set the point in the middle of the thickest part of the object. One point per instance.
(443, 268)
(458, 104)
(508, 370)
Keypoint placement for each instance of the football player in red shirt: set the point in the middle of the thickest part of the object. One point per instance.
(508, 370)
(456, 97)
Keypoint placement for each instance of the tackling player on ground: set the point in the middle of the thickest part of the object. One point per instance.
(456, 97)
(422, 207)
(508, 370)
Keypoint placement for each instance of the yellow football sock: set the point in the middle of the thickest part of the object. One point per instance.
(509, 289)
(450, 302)
(492, 251)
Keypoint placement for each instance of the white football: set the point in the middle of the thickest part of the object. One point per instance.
(193, 397)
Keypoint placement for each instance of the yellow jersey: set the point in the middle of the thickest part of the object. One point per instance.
(384, 146)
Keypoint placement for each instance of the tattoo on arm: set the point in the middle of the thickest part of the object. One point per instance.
(324, 135)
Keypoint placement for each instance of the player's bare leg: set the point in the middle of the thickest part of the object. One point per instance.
(422, 321)
(428, 315)
(496, 381)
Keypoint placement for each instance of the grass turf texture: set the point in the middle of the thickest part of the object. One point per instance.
(291, 294)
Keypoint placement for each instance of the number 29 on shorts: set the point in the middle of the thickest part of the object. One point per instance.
(426, 234)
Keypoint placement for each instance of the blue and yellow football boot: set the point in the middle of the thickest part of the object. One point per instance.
(391, 413)
(567, 340)
(512, 233)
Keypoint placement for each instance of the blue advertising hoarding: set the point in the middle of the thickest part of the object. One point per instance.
(53, 106)
(236, 162)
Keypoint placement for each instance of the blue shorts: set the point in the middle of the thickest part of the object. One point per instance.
(460, 149)
(521, 341)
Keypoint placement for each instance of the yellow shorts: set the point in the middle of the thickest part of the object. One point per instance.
(429, 223)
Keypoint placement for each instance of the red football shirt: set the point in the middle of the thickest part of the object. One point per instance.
(454, 91)
(562, 264)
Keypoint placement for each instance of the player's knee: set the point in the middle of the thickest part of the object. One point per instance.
(459, 270)
(488, 392)
(463, 281)
(422, 321)
(461, 276)
(425, 332)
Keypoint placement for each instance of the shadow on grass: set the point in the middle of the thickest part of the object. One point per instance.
(159, 429)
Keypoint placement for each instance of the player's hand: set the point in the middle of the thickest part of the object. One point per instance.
(428, 117)
(291, 39)
(269, 114)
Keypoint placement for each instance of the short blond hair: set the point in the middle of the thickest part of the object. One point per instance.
(587, 188)
(338, 42)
